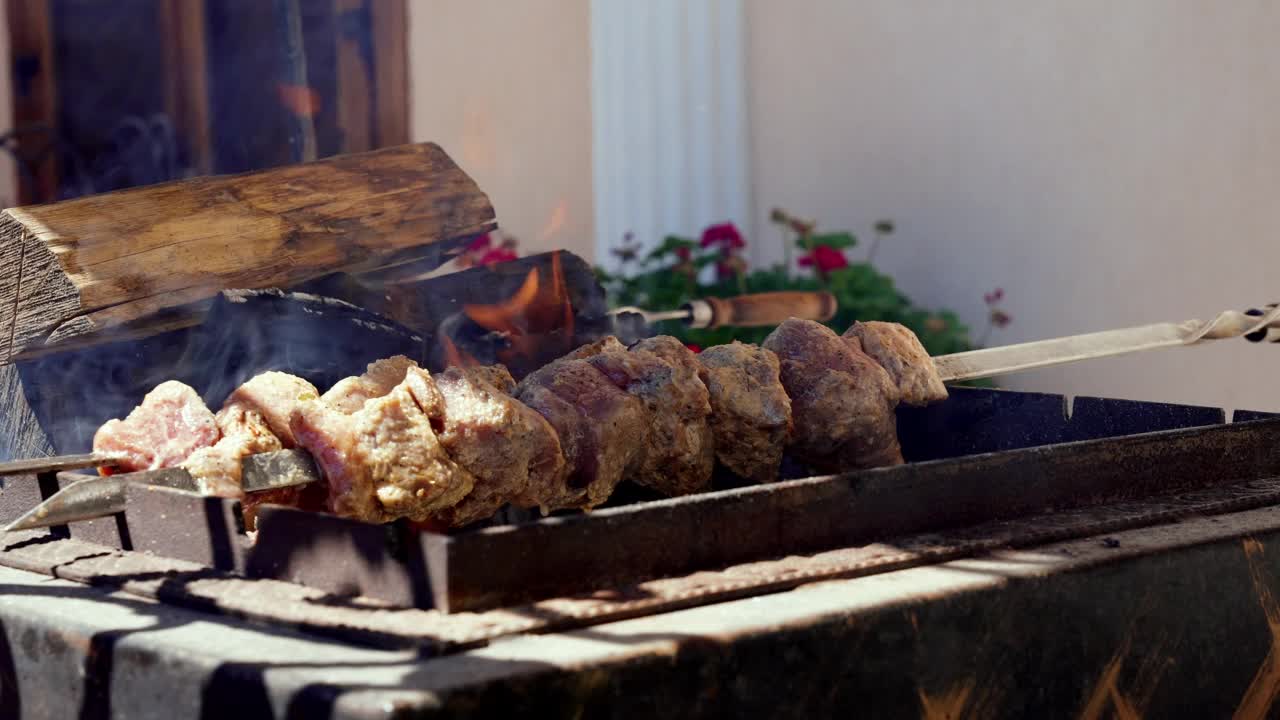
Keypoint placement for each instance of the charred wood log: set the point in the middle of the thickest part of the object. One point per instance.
(70, 270)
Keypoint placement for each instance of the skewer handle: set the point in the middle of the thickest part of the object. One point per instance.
(761, 309)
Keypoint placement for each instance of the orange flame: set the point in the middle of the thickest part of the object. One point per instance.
(555, 223)
(299, 99)
(530, 319)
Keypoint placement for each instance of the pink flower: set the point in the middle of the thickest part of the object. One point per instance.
(726, 235)
(482, 242)
(824, 259)
(994, 296)
(684, 254)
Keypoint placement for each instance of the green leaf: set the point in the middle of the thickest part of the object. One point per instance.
(669, 245)
(839, 241)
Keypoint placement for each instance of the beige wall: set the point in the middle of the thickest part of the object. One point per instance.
(504, 87)
(1106, 163)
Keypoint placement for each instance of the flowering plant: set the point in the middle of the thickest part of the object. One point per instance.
(680, 269)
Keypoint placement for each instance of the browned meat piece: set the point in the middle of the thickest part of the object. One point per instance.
(602, 430)
(216, 469)
(171, 423)
(507, 445)
(273, 395)
(899, 351)
(842, 401)
(750, 410)
(384, 461)
(679, 455)
(350, 394)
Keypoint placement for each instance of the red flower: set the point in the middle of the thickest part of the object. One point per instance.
(694, 348)
(725, 235)
(482, 242)
(497, 255)
(825, 259)
(684, 253)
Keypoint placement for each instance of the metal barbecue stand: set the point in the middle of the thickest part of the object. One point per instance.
(1023, 563)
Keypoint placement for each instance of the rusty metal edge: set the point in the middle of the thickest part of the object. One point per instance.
(364, 621)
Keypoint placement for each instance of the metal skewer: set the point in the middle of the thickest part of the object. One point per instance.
(96, 497)
(1253, 325)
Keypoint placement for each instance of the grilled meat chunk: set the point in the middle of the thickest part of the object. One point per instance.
(171, 423)
(216, 469)
(510, 449)
(678, 456)
(602, 431)
(899, 352)
(842, 401)
(350, 394)
(750, 410)
(272, 395)
(384, 461)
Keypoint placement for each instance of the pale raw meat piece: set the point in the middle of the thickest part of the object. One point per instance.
(171, 423)
(384, 461)
(507, 445)
(216, 469)
(350, 394)
(273, 395)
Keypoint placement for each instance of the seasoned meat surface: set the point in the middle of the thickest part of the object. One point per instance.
(349, 394)
(899, 352)
(842, 401)
(384, 461)
(171, 423)
(750, 410)
(510, 449)
(679, 455)
(273, 395)
(216, 469)
(602, 432)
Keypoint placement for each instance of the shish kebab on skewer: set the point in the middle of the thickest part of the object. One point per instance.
(814, 372)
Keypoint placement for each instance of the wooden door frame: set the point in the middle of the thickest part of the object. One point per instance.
(383, 109)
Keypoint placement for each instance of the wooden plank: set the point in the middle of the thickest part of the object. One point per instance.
(390, 28)
(105, 260)
(33, 69)
(186, 78)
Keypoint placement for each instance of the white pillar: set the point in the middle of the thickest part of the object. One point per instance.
(669, 145)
